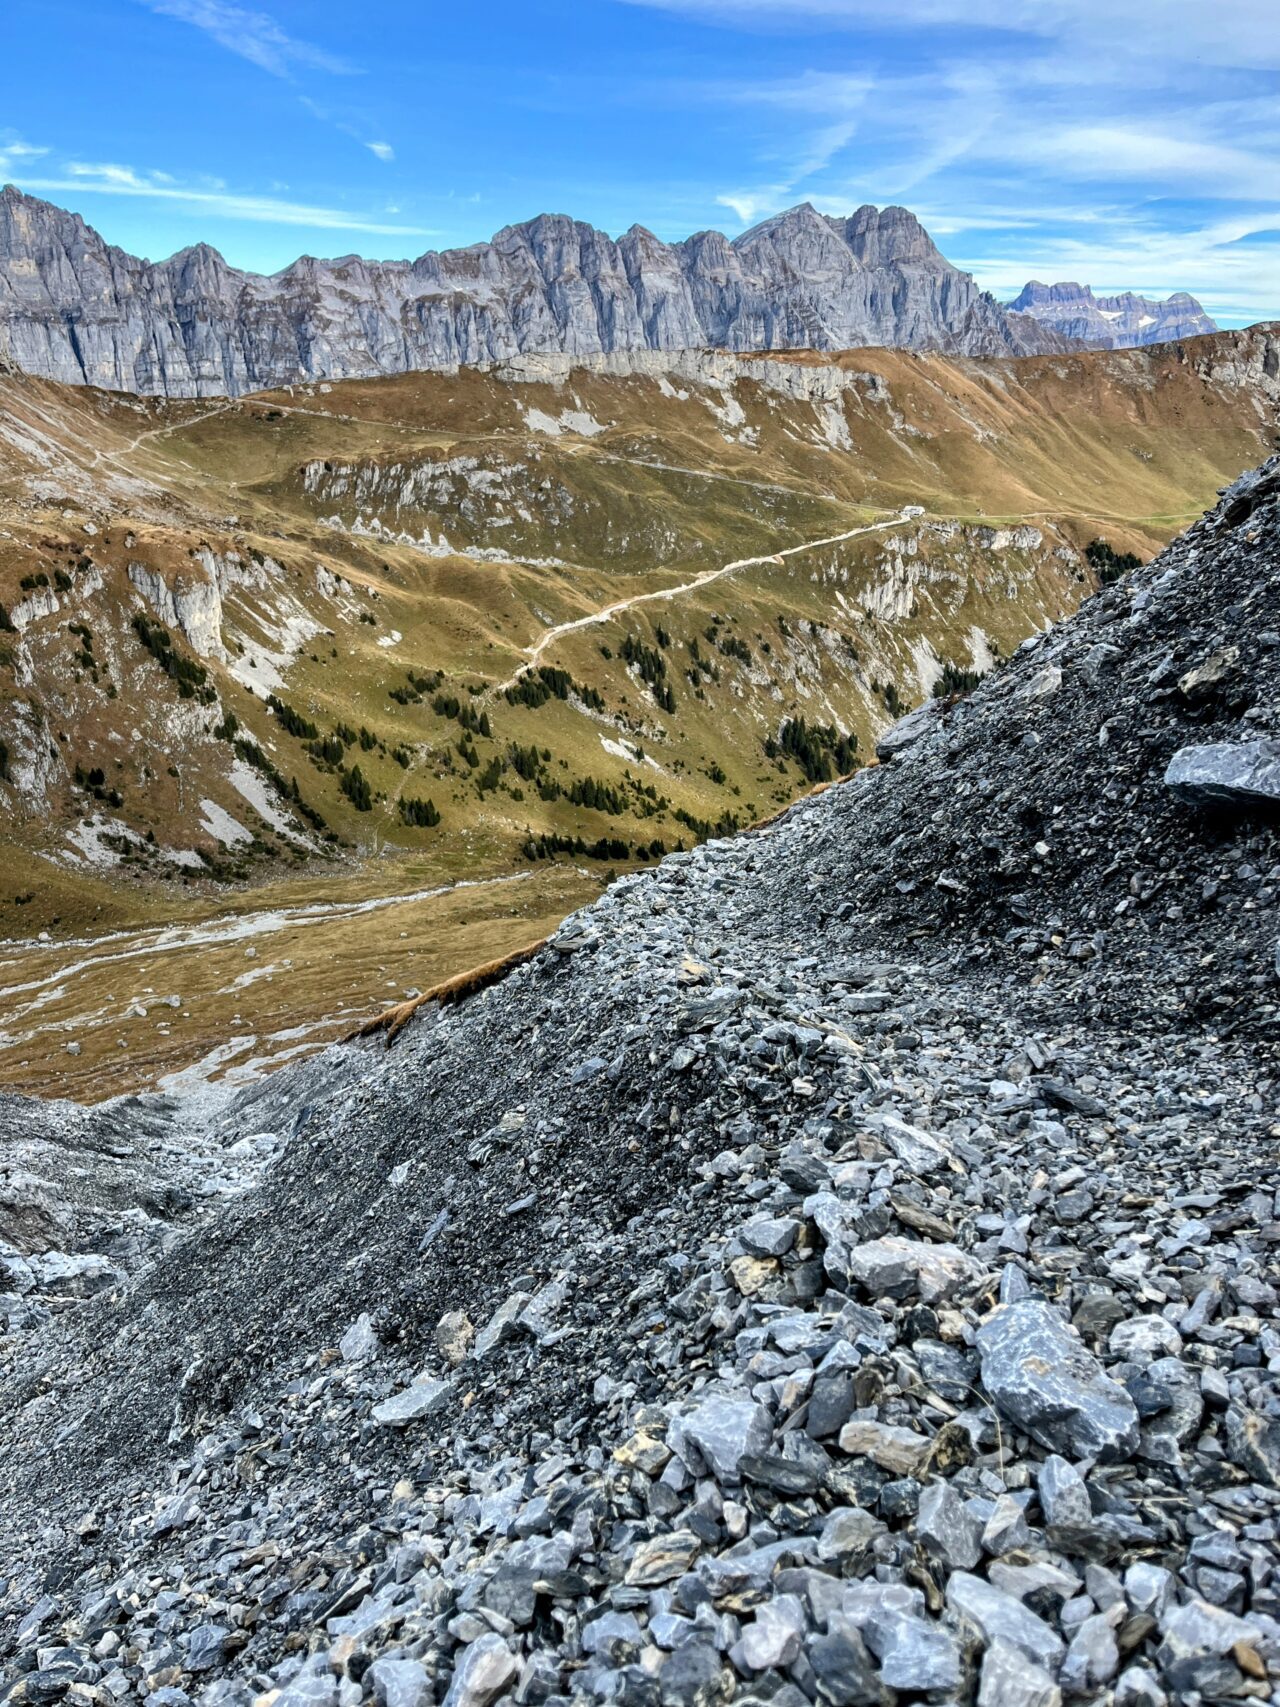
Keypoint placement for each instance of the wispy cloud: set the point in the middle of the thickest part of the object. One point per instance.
(1017, 119)
(1231, 33)
(108, 179)
(254, 36)
(14, 150)
(814, 149)
(383, 150)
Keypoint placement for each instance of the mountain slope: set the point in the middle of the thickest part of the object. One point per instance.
(78, 311)
(838, 1268)
(1119, 322)
(583, 612)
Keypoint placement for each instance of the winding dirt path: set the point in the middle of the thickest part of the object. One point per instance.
(100, 456)
(608, 612)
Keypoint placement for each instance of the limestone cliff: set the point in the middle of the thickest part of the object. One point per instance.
(75, 309)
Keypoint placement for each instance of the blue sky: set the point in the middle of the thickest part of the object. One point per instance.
(1055, 139)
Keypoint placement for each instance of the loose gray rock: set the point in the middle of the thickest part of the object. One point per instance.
(1046, 1382)
(423, 1399)
(1243, 774)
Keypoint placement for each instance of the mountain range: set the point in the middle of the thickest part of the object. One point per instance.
(1111, 322)
(75, 309)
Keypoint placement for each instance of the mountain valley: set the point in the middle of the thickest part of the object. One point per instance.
(837, 1269)
(278, 665)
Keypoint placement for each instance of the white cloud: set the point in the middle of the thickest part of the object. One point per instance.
(1187, 163)
(383, 150)
(12, 149)
(1232, 33)
(813, 152)
(751, 205)
(109, 179)
(253, 35)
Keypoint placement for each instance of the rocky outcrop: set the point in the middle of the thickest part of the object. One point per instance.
(1111, 322)
(192, 607)
(75, 309)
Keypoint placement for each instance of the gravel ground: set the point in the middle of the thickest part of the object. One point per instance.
(841, 1268)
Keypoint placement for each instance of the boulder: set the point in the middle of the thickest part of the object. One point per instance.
(1242, 774)
(1044, 1380)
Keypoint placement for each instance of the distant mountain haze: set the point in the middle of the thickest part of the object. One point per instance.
(1111, 322)
(75, 309)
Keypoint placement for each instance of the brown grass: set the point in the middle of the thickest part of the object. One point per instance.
(454, 990)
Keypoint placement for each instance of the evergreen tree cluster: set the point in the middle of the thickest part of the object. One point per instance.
(419, 814)
(355, 785)
(329, 749)
(820, 750)
(1107, 563)
(954, 681)
(526, 761)
(190, 678)
(449, 705)
(551, 843)
(703, 828)
(417, 687)
(596, 796)
(894, 702)
(651, 667)
(291, 721)
(535, 688)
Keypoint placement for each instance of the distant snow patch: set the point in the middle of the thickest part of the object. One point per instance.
(981, 657)
(392, 639)
(730, 412)
(88, 844)
(926, 665)
(218, 823)
(567, 421)
(835, 427)
(628, 754)
(250, 786)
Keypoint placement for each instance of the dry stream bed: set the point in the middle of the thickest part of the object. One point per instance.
(258, 980)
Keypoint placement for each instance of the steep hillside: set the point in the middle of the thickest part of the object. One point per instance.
(74, 309)
(840, 1268)
(335, 645)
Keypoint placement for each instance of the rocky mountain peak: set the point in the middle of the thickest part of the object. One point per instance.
(76, 310)
(1126, 320)
(891, 236)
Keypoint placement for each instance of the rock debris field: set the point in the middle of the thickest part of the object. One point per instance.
(841, 1268)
